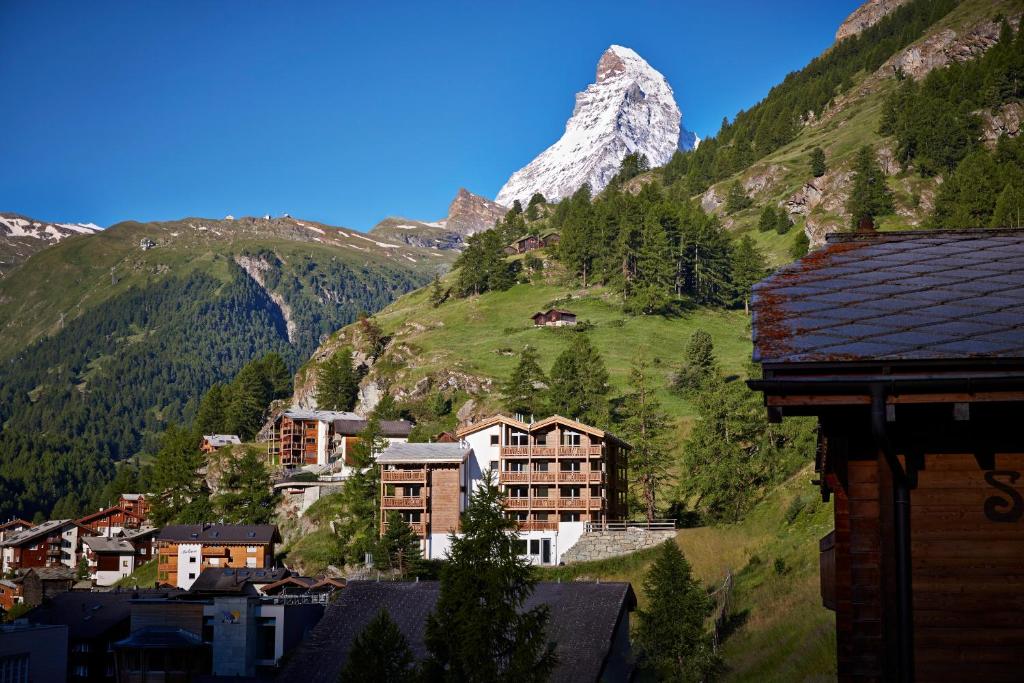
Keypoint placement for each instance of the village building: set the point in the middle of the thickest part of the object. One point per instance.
(559, 476)
(554, 317)
(13, 526)
(111, 558)
(214, 442)
(908, 347)
(134, 504)
(10, 594)
(588, 624)
(532, 242)
(185, 550)
(111, 521)
(51, 544)
(324, 437)
(231, 581)
(29, 653)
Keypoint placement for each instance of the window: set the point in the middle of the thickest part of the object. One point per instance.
(540, 466)
(519, 439)
(144, 551)
(535, 546)
(518, 492)
(81, 671)
(570, 465)
(214, 561)
(493, 465)
(14, 668)
(124, 563)
(541, 491)
(250, 562)
(191, 575)
(520, 546)
(207, 629)
(494, 439)
(540, 516)
(516, 466)
(571, 439)
(251, 549)
(570, 517)
(266, 628)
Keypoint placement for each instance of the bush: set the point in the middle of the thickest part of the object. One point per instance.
(780, 566)
(796, 506)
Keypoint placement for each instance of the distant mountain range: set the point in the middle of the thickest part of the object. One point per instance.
(20, 237)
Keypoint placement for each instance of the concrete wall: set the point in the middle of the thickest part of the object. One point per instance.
(43, 649)
(599, 545)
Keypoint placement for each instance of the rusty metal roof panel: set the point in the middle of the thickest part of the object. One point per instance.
(915, 295)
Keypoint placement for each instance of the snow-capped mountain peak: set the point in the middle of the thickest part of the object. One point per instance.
(20, 237)
(629, 108)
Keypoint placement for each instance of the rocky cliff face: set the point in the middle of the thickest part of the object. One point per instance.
(867, 15)
(629, 108)
(20, 237)
(467, 214)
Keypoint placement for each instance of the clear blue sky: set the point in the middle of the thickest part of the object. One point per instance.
(341, 112)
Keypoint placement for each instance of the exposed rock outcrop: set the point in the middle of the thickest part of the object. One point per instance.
(711, 200)
(1005, 120)
(945, 47)
(762, 178)
(470, 213)
(257, 269)
(867, 15)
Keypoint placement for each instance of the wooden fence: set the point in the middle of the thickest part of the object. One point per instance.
(723, 603)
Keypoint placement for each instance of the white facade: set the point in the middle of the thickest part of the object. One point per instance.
(126, 565)
(190, 564)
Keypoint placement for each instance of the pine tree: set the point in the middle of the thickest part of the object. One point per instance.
(579, 383)
(399, 547)
(211, 417)
(748, 268)
(250, 393)
(766, 223)
(818, 168)
(181, 493)
(246, 495)
(278, 377)
(379, 654)
(670, 634)
(650, 290)
(736, 199)
(337, 385)
(360, 495)
(870, 196)
(479, 631)
(1009, 211)
(645, 425)
(800, 246)
(521, 394)
(699, 363)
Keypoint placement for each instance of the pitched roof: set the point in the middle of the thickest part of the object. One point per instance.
(88, 615)
(322, 415)
(582, 624)
(221, 440)
(424, 452)
(231, 580)
(113, 509)
(133, 496)
(493, 420)
(102, 544)
(59, 573)
(388, 428)
(579, 426)
(42, 529)
(220, 533)
(905, 296)
(13, 523)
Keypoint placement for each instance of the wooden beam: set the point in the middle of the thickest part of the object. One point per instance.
(855, 400)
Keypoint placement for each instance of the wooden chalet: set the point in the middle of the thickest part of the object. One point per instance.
(51, 544)
(214, 442)
(532, 242)
(185, 550)
(554, 317)
(321, 437)
(909, 349)
(135, 504)
(111, 521)
(113, 557)
(13, 526)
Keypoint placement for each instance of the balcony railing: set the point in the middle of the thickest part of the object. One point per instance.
(538, 526)
(402, 502)
(542, 502)
(514, 477)
(572, 503)
(517, 502)
(414, 476)
(571, 476)
(550, 477)
(550, 451)
(419, 528)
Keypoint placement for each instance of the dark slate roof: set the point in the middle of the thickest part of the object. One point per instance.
(914, 296)
(582, 624)
(43, 529)
(88, 615)
(160, 638)
(230, 580)
(388, 428)
(220, 533)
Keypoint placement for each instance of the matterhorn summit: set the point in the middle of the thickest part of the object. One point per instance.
(630, 108)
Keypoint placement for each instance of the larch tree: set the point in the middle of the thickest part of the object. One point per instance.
(818, 167)
(699, 363)
(671, 635)
(360, 496)
(181, 492)
(211, 416)
(579, 383)
(380, 653)
(246, 496)
(645, 426)
(870, 196)
(399, 547)
(337, 384)
(748, 268)
(479, 631)
(523, 393)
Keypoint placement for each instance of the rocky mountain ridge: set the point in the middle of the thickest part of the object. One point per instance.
(629, 108)
(867, 15)
(468, 213)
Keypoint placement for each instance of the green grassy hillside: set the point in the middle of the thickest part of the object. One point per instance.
(779, 630)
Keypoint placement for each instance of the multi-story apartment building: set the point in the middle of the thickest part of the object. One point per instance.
(185, 550)
(135, 504)
(111, 558)
(323, 437)
(112, 521)
(50, 544)
(558, 475)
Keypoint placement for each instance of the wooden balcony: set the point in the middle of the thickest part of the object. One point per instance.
(517, 503)
(409, 476)
(543, 503)
(550, 451)
(515, 451)
(596, 477)
(571, 476)
(513, 477)
(544, 477)
(538, 526)
(419, 528)
(403, 502)
(572, 503)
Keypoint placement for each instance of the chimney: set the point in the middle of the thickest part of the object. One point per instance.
(866, 225)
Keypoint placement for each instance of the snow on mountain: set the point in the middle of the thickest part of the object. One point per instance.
(630, 108)
(20, 237)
